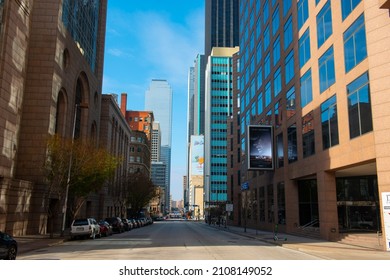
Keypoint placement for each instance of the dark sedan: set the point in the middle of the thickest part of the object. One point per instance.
(8, 247)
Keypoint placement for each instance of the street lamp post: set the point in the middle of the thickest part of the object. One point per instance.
(65, 208)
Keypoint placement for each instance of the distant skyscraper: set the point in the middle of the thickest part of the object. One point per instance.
(222, 24)
(199, 84)
(158, 98)
(190, 104)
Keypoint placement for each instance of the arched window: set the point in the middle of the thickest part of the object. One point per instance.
(61, 113)
(78, 100)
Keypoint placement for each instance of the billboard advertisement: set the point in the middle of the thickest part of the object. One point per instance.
(260, 147)
(386, 217)
(197, 155)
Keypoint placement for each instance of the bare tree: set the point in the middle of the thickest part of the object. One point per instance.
(139, 191)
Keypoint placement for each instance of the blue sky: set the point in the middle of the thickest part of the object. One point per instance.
(155, 39)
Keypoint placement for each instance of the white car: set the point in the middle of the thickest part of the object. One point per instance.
(87, 227)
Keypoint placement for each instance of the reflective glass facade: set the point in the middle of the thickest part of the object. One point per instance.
(81, 19)
(313, 85)
(219, 96)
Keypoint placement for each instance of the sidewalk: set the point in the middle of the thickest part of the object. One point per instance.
(316, 247)
(29, 243)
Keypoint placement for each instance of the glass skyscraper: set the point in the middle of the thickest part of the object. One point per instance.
(221, 28)
(218, 101)
(317, 73)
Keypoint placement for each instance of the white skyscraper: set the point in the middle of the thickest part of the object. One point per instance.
(158, 98)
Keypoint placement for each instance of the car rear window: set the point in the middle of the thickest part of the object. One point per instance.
(82, 222)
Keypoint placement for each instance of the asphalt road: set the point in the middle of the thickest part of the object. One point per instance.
(168, 240)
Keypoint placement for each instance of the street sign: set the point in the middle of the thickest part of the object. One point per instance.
(245, 186)
(229, 207)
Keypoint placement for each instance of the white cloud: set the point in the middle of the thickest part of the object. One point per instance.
(168, 46)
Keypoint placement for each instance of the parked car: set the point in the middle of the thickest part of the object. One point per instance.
(87, 227)
(8, 247)
(127, 226)
(116, 223)
(135, 223)
(105, 228)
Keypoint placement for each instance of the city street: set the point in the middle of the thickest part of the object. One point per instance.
(168, 240)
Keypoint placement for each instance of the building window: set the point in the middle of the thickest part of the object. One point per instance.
(258, 28)
(261, 204)
(278, 114)
(268, 94)
(306, 89)
(277, 82)
(266, 11)
(288, 32)
(292, 143)
(324, 24)
(275, 21)
(270, 203)
(276, 50)
(253, 109)
(289, 66)
(355, 48)
(326, 70)
(242, 126)
(308, 142)
(267, 38)
(359, 106)
(303, 12)
(330, 130)
(281, 200)
(304, 48)
(290, 102)
(1, 13)
(258, 53)
(267, 65)
(81, 19)
(286, 6)
(279, 150)
(347, 6)
(260, 107)
(259, 77)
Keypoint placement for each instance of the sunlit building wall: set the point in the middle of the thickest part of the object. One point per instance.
(317, 72)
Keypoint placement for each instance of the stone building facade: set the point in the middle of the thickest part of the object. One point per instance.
(51, 62)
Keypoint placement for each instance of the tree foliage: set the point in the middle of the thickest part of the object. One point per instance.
(89, 168)
(139, 191)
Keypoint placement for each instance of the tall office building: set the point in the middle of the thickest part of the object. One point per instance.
(156, 142)
(222, 24)
(221, 30)
(51, 62)
(190, 103)
(218, 103)
(199, 86)
(317, 73)
(158, 98)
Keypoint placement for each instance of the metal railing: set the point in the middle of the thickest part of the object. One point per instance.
(310, 224)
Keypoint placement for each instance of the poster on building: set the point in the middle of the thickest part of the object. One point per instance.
(260, 147)
(386, 217)
(197, 155)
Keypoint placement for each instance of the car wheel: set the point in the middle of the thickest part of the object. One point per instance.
(12, 251)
